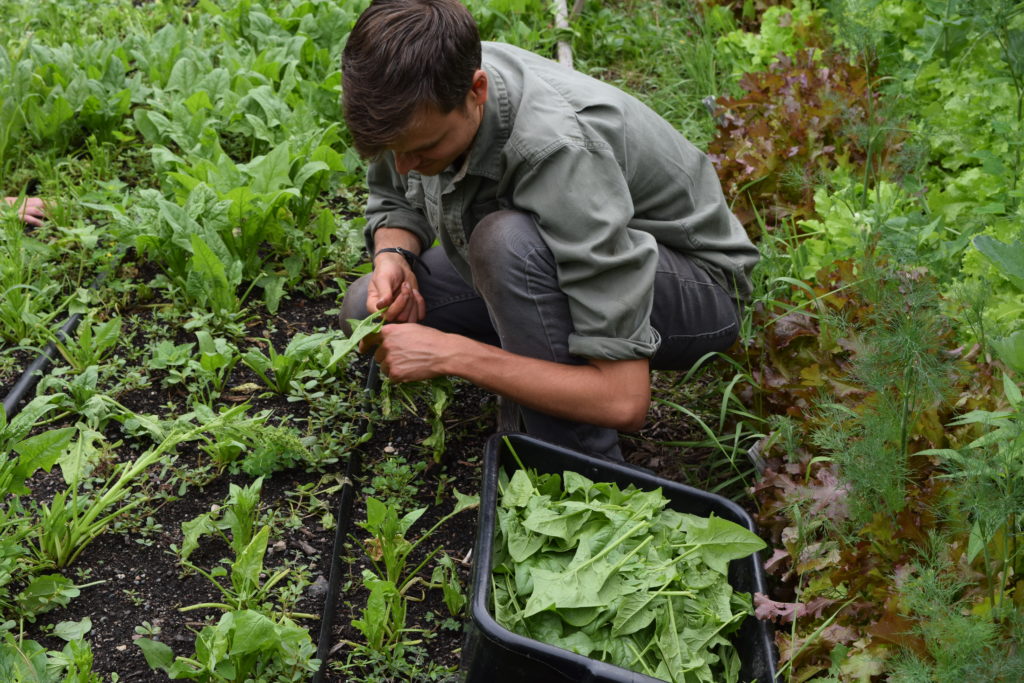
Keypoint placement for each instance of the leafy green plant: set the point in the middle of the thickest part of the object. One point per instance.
(238, 515)
(259, 449)
(94, 342)
(446, 575)
(204, 371)
(304, 359)
(615, 575)
(781, 30)
(75, 517)
(26, 660)
(436, 393)
(217, 358)
(307, 359)
(394, 480)
(244, 645)
(185, 242)
(249, 588)
(1007, 258)
(26, 590)
(83, 396)
(383, 619)
(990, 468)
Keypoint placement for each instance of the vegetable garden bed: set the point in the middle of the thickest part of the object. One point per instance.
(870, 419)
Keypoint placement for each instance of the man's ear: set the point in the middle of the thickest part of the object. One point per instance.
(478, 90)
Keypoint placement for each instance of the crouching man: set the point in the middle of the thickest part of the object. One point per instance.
(582, 240)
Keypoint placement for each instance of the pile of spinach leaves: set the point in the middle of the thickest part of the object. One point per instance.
(615, 575)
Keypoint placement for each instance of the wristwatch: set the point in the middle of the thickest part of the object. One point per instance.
(410, 257)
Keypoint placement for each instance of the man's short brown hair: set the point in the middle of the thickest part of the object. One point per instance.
(403, 55)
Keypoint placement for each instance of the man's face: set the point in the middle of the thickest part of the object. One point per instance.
(433, 141)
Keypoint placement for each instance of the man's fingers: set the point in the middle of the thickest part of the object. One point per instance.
(31, 211)
(404, 309)
(421, 305)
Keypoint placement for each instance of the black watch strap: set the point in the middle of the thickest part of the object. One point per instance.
(410, 257)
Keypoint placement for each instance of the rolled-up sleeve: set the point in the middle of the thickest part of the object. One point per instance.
(582, 201)
(395, 201)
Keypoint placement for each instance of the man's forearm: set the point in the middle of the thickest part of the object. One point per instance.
(606, 393)
(396, 237)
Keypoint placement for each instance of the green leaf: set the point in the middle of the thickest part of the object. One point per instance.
(308, 170)
(673, 653)
(158, 655)
(46, 592)
(72, 630)
(576, 482)
(193, 530)
(592, 586)
(976, 541)
(1010, 349)
(77, 463)
(341, 348)
(107, 334)
(38, 452)
(1009, 258)
(253, 632)
(464, 502)
(208, 279)
(304, 345)
(272, 171)
(520, 542)
(376, 511)
(245, 570)
(721, 541)
(184, 75)
(519, 491)
(408, 519)
(1013, 393)
(636, 611)
(273, 290)
(557, 522)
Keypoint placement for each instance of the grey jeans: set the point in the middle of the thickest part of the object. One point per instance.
(515, 302)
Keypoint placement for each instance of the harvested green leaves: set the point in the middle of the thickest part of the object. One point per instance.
(616, 575)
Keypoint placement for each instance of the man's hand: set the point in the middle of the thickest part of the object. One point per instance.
(32, 211)
(407, 353)
(393, 286)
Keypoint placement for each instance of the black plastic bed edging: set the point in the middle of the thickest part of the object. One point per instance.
(344, 514)
(37, 368)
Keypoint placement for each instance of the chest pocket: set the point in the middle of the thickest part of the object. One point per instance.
(414, 191)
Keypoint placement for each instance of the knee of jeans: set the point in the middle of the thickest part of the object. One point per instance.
(353, 305)
(501, 239)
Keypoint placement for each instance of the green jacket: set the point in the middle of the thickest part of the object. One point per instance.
(606, 178)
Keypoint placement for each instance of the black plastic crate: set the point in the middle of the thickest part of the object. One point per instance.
(493, 654)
